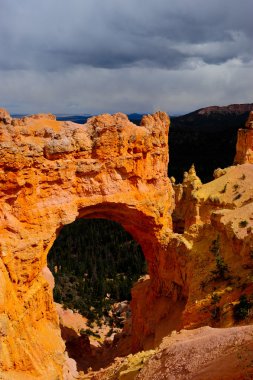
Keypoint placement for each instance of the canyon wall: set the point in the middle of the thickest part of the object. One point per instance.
(52, 173)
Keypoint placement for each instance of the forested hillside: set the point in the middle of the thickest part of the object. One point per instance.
(95, 263)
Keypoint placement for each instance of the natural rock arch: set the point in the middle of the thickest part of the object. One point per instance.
(52, 173)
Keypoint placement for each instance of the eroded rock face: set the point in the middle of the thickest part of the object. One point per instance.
(244, 146)
(52, 173)
(218, 232)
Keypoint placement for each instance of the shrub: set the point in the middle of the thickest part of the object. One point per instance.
(110, 332)
(241, 310)
(243, 223)
(215, 246)
(215, 313)
(89, 333)
(221, 267)
(215, 298)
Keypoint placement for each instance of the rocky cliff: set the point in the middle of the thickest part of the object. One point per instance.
(197, 238)
(52, 173)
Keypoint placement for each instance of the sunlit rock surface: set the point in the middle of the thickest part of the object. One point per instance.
(52, 173)
(244, 146)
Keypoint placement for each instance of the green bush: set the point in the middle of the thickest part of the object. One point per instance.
(89, 333)
(215, 313)
(243, 223)
(215, 298)
(222, 269)
(241, 310)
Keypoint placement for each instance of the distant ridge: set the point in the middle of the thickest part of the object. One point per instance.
(136, 116)
(79, 119)
(232, 108)
(82, 119)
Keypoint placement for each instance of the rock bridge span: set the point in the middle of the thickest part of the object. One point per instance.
(52, 173)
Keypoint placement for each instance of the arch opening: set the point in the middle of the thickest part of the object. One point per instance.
(95, 263)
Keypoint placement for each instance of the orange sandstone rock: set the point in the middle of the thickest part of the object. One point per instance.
(52, 173)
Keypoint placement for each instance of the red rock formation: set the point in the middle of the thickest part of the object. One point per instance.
(244, 146)
(52, 173)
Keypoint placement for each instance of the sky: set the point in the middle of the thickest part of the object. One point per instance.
(97, 56)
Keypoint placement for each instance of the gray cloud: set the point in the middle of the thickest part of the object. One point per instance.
(50, 43)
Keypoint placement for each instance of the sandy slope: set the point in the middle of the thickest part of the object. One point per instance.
(203, 354)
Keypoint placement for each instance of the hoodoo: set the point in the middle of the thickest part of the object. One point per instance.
(244, 146)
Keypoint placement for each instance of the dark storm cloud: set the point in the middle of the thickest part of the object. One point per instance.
(129, 55)
(56, 34)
